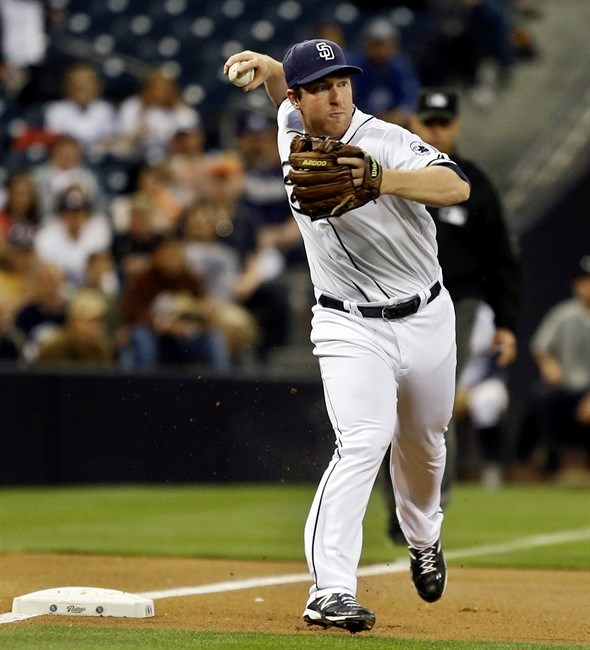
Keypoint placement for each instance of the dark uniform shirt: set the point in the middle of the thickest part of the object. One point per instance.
(475, 251)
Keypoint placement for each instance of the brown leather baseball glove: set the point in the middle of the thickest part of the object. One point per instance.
(322, 187)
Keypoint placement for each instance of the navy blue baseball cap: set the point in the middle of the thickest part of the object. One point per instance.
(311, 60)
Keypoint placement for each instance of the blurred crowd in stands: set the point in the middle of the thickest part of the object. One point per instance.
(129, 235)
(184, 266)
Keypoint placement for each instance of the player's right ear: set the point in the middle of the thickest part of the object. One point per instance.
(293, 96)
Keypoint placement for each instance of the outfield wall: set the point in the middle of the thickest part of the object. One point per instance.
(72, 428)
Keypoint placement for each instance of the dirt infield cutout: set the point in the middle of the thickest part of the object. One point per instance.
(530, 606)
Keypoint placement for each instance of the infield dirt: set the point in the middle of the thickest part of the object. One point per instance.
(528, 606)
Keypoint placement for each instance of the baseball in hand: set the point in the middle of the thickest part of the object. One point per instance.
(240, 78)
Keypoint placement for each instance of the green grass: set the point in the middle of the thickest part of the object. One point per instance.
(266, 521)
(46, 637)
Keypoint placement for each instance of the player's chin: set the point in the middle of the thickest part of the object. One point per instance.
(336, 125)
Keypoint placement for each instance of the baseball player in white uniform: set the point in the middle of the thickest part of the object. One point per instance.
(383, 328)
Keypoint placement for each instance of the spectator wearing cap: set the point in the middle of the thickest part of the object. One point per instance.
(78, 231)
(480, 268)
(388, 87)
(560, 347)
(264, 187)
(149, 119)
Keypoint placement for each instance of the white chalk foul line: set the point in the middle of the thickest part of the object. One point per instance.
(549, 539)
(399, 566)
(376, 569)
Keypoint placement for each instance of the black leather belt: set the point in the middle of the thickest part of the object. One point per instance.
(391, 312)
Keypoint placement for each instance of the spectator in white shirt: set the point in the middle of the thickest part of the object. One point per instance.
(560, 347)
(83, 113)
(150, 118)
(76, 233)
(22, 42)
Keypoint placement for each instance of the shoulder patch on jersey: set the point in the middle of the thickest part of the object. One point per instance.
(421, 149)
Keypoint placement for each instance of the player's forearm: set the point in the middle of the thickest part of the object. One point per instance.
(435, 186)
(275, 84)
(267, 71)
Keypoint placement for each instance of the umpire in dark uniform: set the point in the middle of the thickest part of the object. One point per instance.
(476, 254)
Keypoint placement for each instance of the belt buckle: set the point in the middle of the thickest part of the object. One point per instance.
(393, 312)
(389, 312)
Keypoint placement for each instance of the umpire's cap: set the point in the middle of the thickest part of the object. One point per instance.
(438, 103)
(311, 60)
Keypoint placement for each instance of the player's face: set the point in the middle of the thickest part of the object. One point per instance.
(326, 106)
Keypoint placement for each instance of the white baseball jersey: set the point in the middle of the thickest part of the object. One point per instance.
(386, 382)
(384, 250)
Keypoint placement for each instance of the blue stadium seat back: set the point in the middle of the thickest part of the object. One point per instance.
(14, 120)
(197, 35)
(26, 159)
(119, 84)
(34, 115)
(181, 28)
(231, 12)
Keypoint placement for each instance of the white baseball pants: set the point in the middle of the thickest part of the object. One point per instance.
(384, 382)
